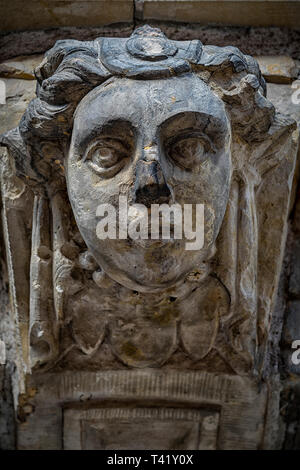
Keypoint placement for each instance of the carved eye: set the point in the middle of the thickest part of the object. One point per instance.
(189, 152)
(106, 157)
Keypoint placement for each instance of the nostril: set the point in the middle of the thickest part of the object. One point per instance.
(150, 185)
(152, 194)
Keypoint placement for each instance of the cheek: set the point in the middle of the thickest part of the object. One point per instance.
(209, 186)
(206, 184)
(82, 192)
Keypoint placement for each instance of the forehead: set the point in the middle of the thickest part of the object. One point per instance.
(149, 102)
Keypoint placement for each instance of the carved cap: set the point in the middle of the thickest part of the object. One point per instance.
(148, 52)
(148, 43)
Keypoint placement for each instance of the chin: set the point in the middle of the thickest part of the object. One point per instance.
(145, 280)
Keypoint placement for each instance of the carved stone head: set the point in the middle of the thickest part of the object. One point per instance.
(146, 118)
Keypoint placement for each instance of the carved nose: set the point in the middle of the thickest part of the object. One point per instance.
(150, 185)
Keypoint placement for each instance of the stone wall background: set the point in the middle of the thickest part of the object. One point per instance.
(269, 29)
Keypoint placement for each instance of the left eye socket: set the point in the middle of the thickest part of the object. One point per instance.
(106, 157)
(188, 152)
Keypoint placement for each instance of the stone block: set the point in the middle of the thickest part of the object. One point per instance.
(20, 67)
(33, 14)
(278, 69)
(18, 94)
(242, 13)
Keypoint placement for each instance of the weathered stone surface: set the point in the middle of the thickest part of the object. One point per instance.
(250, 13)
(18, 94)
(294, 279)
(291, 413)
(11, 72)
(2, 353)
(278, 69)
(126, 320)
(284, 98)
(292, 325)
(20, 67)
(291, 368)
(63, 13)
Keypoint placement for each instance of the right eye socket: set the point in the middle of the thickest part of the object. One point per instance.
(106, 157)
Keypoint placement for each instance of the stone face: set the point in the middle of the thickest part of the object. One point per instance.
(278, 69)
(148, 323)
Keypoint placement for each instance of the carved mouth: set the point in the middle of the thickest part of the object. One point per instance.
(158, 243)
(160, 228)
